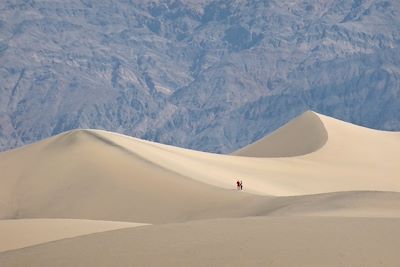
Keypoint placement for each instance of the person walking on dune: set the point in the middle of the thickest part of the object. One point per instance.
(238, 185)
(241, 185)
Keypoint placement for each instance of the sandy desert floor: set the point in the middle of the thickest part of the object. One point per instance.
(317, 192)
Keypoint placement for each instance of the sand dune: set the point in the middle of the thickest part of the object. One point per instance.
(83, 175)
(314, 172)
(28, 232)
(76, 170)
(366, 204)
(301, 136)
(280, 241)
(21, 233)
(91, 174)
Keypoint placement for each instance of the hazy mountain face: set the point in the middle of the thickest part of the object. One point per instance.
(208, 75)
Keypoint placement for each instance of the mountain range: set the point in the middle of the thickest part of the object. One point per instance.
(211, 75)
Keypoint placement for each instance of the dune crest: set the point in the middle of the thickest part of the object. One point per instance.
(315, 170)
(302, 135)
(83, 173)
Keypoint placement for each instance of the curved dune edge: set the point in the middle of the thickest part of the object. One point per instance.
(302, 135)
(16, 234)
(354, 158)
(261, 241)
(95, 174)
(366, 204)
(86, 170)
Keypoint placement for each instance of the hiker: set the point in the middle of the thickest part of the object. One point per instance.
(241, 185)
(238, 185)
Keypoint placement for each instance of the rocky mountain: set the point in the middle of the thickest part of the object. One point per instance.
(212, 75)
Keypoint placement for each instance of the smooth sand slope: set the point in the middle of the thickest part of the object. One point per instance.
(301, 136)
(314, 172)
(83, 175)
(278, 241)
(89, 174)
(344, 157)
(27, 232)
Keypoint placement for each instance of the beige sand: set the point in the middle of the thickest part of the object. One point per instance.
(27, 232)
(352, 158)
(301, 136)
(315, 171)
(280, 241)
(16, 234)
(80, 175)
